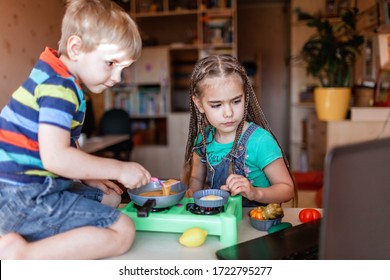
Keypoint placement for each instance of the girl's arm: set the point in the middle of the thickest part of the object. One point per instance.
(281, 189)
(198, 175)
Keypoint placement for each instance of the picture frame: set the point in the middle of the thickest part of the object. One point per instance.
(382, 90)
(383, 41)
(370, 59)
(386, 11)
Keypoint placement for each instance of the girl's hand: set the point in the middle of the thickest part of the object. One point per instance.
(105, 186)
(237, 184)
(133, 175)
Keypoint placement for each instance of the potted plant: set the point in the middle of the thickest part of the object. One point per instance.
(329, 55)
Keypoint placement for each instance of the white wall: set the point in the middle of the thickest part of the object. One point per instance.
(26, 28)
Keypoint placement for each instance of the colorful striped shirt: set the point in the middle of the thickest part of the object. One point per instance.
(50, 95)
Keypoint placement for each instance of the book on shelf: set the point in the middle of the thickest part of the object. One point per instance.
(217, 30)
(142, 101)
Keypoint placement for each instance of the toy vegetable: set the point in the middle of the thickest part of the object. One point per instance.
(269, 212)
(308, 215)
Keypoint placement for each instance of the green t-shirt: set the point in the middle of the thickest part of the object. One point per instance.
(261, 150)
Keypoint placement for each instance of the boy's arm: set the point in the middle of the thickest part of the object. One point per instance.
(59, 157)
(198, 175)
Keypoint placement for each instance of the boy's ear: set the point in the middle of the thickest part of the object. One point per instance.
(198, 104)
(74, 47)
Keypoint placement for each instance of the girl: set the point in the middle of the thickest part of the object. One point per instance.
(230, 145)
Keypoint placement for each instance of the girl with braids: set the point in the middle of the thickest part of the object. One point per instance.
(230, 145)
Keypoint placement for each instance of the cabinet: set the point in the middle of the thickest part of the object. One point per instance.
(190, 29)
(323, 136)
(175, 34)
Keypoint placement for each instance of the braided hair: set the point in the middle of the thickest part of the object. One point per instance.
(214, 66)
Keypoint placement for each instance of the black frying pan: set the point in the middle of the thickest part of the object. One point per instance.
(148, 202)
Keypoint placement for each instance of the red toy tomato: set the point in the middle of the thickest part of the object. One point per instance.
(308, 215)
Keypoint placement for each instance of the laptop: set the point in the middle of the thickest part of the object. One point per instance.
(356, 205)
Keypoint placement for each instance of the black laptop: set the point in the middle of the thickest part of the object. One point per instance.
(355, 223)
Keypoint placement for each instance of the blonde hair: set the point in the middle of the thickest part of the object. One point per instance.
(215, 66)
(97, 22)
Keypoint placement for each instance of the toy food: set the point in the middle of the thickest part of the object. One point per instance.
(157, 193)
(269, 212)
(211, 197)
(308, 215)
(193, 237)
(166, 186)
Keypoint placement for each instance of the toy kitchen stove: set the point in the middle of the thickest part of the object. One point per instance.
(221, 221)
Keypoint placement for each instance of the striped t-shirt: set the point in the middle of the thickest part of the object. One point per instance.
(50, 95)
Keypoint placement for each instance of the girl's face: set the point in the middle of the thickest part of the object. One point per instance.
(222, 100)
(102, 68)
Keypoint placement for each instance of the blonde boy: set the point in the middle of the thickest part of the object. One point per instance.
(44, 212)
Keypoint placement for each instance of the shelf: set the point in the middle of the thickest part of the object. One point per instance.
(182, 46)
(187, 24)
(166, 13)
(303, 105)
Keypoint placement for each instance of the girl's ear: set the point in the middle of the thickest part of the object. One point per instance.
(74, 47)
(198, 104)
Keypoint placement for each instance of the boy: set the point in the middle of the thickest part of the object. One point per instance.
(40, 200)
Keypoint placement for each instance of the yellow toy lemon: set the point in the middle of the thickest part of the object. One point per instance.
(193, 237)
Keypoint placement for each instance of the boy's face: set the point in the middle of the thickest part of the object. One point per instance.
(101, 68)
(222, 100)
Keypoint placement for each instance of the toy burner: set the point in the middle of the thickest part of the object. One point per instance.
(200, 210)
(220, 221)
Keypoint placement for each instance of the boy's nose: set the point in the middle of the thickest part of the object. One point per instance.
(116, 77)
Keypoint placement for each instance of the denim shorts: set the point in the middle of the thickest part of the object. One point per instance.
(36, 211)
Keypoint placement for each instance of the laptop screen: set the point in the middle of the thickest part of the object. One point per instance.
(356, 202)
(355, 223)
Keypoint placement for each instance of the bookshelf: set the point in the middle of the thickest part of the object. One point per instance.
(175, 35)
(144, 93)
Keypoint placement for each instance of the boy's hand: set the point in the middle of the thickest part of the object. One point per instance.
(189, 193)
(237, 184)
(104, 185)
(133, 175)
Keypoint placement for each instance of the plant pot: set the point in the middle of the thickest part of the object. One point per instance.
(364, 97)
(332, 104)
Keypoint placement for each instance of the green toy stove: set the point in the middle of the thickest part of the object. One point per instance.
(186, 214)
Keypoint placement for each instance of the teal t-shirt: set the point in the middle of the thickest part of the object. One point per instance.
(261, 150)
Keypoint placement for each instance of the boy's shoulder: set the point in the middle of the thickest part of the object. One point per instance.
(49, 70)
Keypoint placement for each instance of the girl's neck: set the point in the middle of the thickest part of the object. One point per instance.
(225, 138)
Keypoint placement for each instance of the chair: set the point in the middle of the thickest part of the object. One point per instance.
(310, 181)
(117, 121)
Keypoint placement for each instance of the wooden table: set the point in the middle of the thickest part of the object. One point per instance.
(150, 245)
(99, 143)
